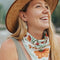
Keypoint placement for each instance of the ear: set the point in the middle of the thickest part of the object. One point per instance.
(23, 16)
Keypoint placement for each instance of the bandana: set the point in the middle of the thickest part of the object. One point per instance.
(37, 49)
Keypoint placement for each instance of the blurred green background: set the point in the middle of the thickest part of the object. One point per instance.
(4, 6)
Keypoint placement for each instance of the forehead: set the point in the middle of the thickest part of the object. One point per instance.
(38, 2)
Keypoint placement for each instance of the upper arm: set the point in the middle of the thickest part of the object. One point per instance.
(8, 50)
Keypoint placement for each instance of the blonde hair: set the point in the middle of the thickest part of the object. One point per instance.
(55, 55)
(22, 30)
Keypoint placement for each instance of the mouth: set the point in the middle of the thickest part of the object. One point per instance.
(44, 18)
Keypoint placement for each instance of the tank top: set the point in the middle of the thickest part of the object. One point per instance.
(21, 55)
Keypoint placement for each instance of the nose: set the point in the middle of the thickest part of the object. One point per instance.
(45, 11)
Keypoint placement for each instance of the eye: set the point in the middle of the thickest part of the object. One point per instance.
(47, 7)
(38, 6)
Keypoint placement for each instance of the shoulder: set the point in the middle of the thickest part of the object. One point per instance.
(8, 50)
(58, 37)
(8, 44)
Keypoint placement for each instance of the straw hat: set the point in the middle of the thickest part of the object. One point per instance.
(11, 18)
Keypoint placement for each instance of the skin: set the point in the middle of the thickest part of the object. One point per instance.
(32, 17)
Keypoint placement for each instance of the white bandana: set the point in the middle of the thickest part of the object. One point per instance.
(37, 49)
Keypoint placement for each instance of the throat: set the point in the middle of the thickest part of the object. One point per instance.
(37, 36)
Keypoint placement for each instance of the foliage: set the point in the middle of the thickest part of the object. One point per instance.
(56, 16)
(2, 14)
(2, 17)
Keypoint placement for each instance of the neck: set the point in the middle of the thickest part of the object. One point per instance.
(36, 33)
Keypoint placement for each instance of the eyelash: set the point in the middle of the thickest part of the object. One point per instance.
(40, 6)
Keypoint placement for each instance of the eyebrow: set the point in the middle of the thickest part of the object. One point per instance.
(46, 3)
(40, 3)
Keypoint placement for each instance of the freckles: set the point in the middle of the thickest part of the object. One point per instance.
(34, 13)
(37, 12)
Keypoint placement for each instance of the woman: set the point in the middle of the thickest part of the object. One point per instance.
(33, 35)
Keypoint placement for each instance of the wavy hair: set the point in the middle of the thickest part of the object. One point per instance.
(22, 30)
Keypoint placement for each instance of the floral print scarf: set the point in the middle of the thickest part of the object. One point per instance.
(37, 49)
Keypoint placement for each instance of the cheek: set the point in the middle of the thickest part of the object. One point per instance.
(33, 14)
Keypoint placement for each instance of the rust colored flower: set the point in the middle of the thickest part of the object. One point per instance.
(29, 38)
(37, 43)
(43, 53)
(29, 46)
(46, 35)
(42, 42)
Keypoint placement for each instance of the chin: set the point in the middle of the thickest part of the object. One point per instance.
(45, 26)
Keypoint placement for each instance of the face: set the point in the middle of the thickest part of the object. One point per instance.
(37, 15)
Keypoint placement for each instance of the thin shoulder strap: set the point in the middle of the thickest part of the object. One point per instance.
(21, 55)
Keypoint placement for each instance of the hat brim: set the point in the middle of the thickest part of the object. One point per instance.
(13, 12)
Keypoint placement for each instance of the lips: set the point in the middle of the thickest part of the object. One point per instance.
(44, 18)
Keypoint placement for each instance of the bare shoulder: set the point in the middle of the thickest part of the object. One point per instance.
(58, 37)
(8, 50)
